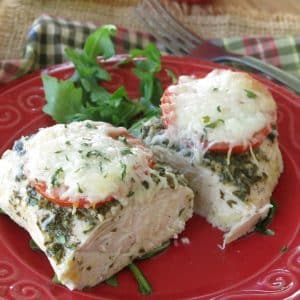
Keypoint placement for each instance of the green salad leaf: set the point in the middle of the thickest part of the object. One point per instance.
(64, 99)
(81, 97)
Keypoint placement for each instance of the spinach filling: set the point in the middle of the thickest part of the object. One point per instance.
(57, 223)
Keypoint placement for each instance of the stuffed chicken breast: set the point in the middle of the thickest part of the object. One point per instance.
(92, 197)
(220, 132)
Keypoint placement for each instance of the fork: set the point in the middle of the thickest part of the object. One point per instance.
(178, 40)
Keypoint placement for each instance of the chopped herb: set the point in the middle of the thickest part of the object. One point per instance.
(58, 151)
(219, 108)
(90, 126)
(34, 246)
(215, 89)
(215, 124)
(126, 151)
(261, 227)
(2, 211)
(32, 195)
(79, 188)
(231, 203)
(124, 169)
(130, 193)
(112, 281)
(68, 143)
(123, 139)
(56, 177)
(97, 153)
(284, 249)
(90, 228)
(206, 119)
(222, 194)
(250, 94)
(144, 286)
(145, 184)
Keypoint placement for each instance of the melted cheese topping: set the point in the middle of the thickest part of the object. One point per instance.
(83, 161)
(224, 106)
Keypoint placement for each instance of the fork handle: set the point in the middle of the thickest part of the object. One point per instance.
(283, 77)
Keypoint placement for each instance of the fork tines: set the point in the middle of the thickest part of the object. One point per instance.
(175, 38)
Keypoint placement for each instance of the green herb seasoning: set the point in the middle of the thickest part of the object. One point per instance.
(97, 154)
(56, 177)
(126, 151)
(242, 172)
(215, 124)
(206, 119)
(250, 94)
(124, 169)
(123, 139)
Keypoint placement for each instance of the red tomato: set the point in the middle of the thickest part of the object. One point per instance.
(41, 187)
(169, 117)
(255, 141)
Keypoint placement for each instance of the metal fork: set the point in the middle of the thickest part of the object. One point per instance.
(179, 40)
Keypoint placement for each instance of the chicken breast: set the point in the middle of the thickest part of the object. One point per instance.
(206, 135)
(92, 198)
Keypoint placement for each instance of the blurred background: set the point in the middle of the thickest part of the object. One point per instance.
(208, 18)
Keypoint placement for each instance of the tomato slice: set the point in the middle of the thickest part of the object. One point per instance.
(254, 142)
(115, 133)
(41, 188)
(169, 117)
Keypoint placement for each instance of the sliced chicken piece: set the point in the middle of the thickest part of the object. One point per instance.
(85, 243)
(232, 192)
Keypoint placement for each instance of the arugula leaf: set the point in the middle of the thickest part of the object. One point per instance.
(63, 99)
(85, 66)
(146, 69)
(99, 42)
(82, 98)
(117, 109)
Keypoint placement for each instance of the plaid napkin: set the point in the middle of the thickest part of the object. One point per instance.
(48, 36)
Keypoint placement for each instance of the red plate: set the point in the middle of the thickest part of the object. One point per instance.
(253, 267)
